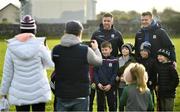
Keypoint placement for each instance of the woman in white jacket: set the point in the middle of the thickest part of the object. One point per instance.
(24, 75)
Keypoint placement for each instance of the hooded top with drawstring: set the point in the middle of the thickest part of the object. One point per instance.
(72, 61)
(24, 75)
(157, 37)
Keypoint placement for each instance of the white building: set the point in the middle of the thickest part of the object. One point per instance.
(9, 13)
(60, 11)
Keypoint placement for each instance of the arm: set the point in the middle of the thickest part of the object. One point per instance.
(174, 77)
(94, 57)
(167, 43)
(120, 41)
(123, 98)
(46, 57)
(8, 72)
(136, 46)
(115, 71)
(150, 102)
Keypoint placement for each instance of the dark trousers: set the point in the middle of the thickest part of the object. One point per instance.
(166, 104)
(54, 104)
(35, 107)
(120, 90)
(92, 95)
(111, 99)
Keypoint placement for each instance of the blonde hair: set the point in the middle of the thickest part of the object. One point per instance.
(135, 73)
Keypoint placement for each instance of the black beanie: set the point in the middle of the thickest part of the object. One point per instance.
(129, 46)
(73, 27)
(146, 46)
(164, 52)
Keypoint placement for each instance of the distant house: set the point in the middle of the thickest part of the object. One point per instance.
(60, 11)
(9, 13)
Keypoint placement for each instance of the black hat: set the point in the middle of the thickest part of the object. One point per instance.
(129, 46)
(164, 52)
(73, 27)
(146, 46)
(27, 23)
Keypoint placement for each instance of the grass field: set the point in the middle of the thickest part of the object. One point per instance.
(53, 42)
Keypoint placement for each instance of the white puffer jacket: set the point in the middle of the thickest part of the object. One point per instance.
(24, 75)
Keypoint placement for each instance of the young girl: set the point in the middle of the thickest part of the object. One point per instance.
(136, 96)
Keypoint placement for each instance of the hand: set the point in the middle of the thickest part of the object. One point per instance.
(175, 64)
(94, 44)
(122, 79)
(101, 87)
(107, 87)
(117, 78)
(156, 88)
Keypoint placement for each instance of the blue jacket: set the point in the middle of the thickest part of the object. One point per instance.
(107, 72)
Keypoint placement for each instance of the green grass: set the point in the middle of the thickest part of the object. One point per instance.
(53, 42)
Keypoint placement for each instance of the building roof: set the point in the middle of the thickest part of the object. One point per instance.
(4, 3)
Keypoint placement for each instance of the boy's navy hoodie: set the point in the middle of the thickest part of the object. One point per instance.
(107, 72)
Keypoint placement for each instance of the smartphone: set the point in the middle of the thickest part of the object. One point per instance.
(87, 43)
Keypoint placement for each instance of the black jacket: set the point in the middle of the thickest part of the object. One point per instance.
(167, 80)
(149, 66)
(112, 35)
(71, 68)
(158, 39)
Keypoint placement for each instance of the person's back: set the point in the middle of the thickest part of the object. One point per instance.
(72, 63)
(136, 96)
(72, 60)
(25, 78)
(136, 101)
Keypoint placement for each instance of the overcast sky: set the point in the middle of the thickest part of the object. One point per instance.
(128, 5)
(137, 5)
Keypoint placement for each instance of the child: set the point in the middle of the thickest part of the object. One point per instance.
(105, 78)
(148, 62)
(136, 96)
(167, 80)
(124, 61)
(93, 87)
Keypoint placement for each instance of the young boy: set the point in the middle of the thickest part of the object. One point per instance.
(124, 61)
(167, 80)
(148, 62)
(105, 78)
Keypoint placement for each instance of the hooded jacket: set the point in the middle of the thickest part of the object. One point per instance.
(24, 75)
(112, 35)
(71, 66)
(157, 37)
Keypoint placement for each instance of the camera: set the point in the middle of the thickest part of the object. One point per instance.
(88, 43)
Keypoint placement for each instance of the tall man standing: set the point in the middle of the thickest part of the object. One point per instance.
(107, 32)
(152, 32)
